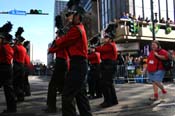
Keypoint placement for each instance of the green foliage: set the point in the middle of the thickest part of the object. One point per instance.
(157, 27)
(168, 30)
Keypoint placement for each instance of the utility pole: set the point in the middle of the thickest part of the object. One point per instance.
(152, 19)
(95, 17)
(20, 12)
(98, 14)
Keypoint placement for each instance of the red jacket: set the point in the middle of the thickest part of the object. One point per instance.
(27, 63)
(75, 41)
(19, 53)
(6, 54)
(61, 54)
(108, 51)
(153, 63)
(94, 58)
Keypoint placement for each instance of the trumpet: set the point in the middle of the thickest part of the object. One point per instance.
(95, 40)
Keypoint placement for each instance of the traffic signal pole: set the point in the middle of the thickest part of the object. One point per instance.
(19, 12)
(152, 19)
(37, 14)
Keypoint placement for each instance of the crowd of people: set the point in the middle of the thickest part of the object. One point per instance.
(139, 18)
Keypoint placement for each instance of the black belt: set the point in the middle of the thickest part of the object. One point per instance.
(15, 62)
(78, 58)
(58, 58)
(108, 61)
(2, 63)
(5, 64)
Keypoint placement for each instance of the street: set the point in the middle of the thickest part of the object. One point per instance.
(133, 101)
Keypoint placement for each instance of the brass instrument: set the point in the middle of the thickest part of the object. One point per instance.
(95, 40)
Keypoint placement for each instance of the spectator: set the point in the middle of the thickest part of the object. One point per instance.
(140, 18)
(124, 16)
(162, 20)
(147, 20)
(155, 68)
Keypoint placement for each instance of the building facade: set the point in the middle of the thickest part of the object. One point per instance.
(163, 8)
(113, 9)
(60, 5)
(86, 4)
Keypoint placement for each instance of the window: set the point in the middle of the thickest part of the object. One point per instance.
(147, 9)
(163, 8)
(171, 10)
(138, 8)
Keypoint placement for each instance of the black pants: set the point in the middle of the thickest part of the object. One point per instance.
(6, 81)
(57, 82)
(108, 73)
(75, 89)
(94, 80)
(26, 82)
(18, 73)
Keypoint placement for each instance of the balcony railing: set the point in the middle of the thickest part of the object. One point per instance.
(144, 31)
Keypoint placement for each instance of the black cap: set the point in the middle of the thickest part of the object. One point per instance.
(70, 12)
(26, 43)
(2, 36)
(108, 36)
(8, 37)
(20, 39)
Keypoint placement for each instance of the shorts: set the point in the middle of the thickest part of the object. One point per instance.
(156, 76)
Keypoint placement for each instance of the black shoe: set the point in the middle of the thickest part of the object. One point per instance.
(27, 94)
(20, 100)
(99, 96)
(8, 111)
(91, 97)
(49, 110)
(105, 105)
(115, 103)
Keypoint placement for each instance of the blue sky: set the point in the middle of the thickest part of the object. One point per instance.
(37, 28)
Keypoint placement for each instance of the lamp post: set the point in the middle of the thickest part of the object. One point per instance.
(156, 17)
(152, 19)
(98, 14)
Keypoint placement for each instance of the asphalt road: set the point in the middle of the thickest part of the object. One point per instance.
(133, 101)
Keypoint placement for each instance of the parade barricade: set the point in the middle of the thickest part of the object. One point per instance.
(120, 76)
(129, 74)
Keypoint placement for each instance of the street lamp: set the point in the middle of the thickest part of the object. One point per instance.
(98, 14)
(156, 17)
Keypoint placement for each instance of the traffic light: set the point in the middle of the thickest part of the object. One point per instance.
(35, 11)
(131, 27)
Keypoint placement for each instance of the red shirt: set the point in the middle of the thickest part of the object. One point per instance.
(59, 53)
(27, 60)
(6, 54)
(19, 53)
(94, 58)
(75, 41)
(108, 51)
(153, 63)
(27, 63)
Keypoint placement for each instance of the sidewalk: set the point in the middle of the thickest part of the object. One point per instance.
(131, 97)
